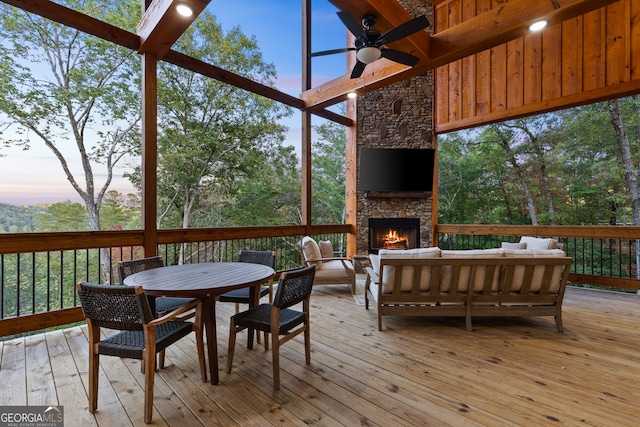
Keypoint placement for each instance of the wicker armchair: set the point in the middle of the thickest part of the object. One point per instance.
(278, 319)
(126, 308)
(241, 296)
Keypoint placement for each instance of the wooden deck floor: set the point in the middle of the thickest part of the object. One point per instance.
(416, 372)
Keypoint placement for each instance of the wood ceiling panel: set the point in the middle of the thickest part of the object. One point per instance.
(499, 25)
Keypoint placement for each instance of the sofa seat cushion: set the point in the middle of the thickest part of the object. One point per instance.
(406, 281)
(535, 243)
(464, 278)
(538, 271)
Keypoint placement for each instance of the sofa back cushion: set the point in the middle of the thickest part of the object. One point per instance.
(538, 271)
(408, 271)
(464, 279)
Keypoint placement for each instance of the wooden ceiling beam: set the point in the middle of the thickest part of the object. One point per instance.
(492, 28)
(74, 19)
(161, 25)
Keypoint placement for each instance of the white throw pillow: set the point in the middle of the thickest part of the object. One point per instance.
(509, 245)
(537, 243)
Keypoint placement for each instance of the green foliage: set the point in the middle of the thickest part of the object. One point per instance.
(18, 219)
(215, 138)
(120, 212)
(63, 216)
(328, 174)
(479, 181)
(76, 95)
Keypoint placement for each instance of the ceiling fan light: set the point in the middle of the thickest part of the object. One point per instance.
(369, 54)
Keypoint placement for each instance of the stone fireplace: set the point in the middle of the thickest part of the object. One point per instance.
(397, 116)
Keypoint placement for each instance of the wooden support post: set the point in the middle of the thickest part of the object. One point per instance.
(149, 153)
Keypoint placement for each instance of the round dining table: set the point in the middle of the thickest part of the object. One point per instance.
(204, 281)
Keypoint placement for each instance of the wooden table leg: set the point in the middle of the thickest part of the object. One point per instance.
(254, 300)
(209, 315)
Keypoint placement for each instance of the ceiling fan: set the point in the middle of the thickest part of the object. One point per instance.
(370, 44)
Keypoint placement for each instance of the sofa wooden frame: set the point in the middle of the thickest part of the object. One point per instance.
(457, 301)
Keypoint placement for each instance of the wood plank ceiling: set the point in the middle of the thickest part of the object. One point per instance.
(488, 29)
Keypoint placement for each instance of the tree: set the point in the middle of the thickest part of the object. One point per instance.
(77, 95)
(329, 174)
(120, 211)
(629, 163)
(270, 197)
(212, 134)
(63, 216)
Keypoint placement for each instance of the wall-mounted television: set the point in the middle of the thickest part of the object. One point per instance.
(396, 170)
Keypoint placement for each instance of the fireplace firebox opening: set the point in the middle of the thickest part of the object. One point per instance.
(393, 233)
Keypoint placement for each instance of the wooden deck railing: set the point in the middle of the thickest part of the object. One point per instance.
(38, 271)
(602, 256)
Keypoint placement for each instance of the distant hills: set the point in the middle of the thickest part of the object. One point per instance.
(19, 219)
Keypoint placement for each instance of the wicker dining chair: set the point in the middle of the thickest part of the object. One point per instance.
(141, 336)
(277, 319)
(241, 296)
(164, 305)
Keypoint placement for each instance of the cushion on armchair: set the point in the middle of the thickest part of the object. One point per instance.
(311, 250)
(326, 248)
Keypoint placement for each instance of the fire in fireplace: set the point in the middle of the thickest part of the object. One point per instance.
(393, 233)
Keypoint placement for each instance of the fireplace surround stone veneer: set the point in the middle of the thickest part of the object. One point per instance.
(397, 116)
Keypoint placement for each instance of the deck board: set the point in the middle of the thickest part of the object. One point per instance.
(416, 372)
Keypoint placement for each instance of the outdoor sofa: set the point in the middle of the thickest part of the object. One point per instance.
(469, 283)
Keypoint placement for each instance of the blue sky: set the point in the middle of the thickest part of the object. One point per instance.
(35, 176)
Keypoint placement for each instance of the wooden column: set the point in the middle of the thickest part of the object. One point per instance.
(149, 153)
(306, 115)
(351, 182)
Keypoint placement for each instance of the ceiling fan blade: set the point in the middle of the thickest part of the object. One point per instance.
(401, 57)
(403, 30)
(358, 70)
(331, 52)
(351, 23)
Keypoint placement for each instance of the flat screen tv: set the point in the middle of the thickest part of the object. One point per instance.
(396, 170)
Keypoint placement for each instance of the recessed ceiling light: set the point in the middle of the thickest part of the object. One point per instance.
(538, 25)
(183, 9)
(352, 95)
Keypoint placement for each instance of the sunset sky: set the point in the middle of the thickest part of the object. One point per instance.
(35, 176)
